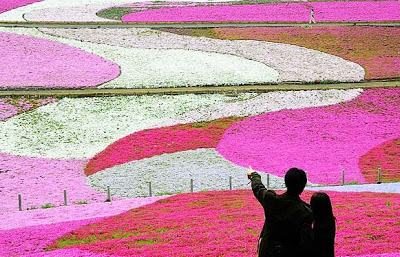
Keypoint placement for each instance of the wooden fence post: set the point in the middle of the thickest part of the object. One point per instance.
(379, 176)
(65, 197)
(19, 202)
(150, 193)
(108, 194)
(343, 177)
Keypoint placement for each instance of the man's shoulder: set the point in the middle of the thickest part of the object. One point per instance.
(295, 203)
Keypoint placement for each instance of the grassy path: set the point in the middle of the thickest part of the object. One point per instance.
(229, 90)
(118, 24)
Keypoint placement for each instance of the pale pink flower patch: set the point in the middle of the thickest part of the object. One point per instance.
(7, 5)
(7, 110)
(33, 62)
(41, 181)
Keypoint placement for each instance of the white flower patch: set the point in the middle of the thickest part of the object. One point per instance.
(267, 102)
(86, 9)
(150, 68)
(82, 127)
(293, 63)
(171, 173)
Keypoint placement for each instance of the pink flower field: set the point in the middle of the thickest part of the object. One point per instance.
(33, 62)
(193, 225)
(7, 5)
(322, 140)
(279, 12)
(374, 48)
(36, 229)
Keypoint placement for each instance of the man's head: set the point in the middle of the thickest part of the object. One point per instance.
(295, 180)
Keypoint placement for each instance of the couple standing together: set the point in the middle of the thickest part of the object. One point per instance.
(293, 228)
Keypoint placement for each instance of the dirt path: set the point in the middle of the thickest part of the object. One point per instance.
(118, 24)
(228, 90)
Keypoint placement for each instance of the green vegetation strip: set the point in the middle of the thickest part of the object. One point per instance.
(229, 90)
(117, 24)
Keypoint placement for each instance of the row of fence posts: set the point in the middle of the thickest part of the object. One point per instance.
(379, 181)
(109, 192)
(191, 187)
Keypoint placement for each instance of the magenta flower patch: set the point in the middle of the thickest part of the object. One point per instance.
(7, 5)
(33, 62)
(32, 240)
(386, 157)
(228, 223)
(280, 12)
(320, 140)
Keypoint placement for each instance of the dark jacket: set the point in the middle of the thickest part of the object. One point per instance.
(284, 217)
(324, 237)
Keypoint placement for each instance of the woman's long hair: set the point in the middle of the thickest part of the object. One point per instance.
(321, 206)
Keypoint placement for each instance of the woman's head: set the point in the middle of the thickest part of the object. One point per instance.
(321, 205)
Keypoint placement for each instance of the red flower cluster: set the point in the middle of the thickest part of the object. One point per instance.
(153, 142)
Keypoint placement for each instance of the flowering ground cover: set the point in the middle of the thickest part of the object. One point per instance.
(280, 12)
(374, 48)
(322, 140)
(71, 127)
(180, 172)
(34, 62)
(7, 5)
(29, 232)
(33, 239)
(148, 143)
(292, 62)
(72, 10)
(149, 68)
(116, 12)
(60, 136)
(86, 10)
(41, 181)
(12, 106)
(79, 128)
(385, 156)
(194, 223)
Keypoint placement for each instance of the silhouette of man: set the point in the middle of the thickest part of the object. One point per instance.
(287, 228)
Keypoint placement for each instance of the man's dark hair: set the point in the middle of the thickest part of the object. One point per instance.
(295, 180)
